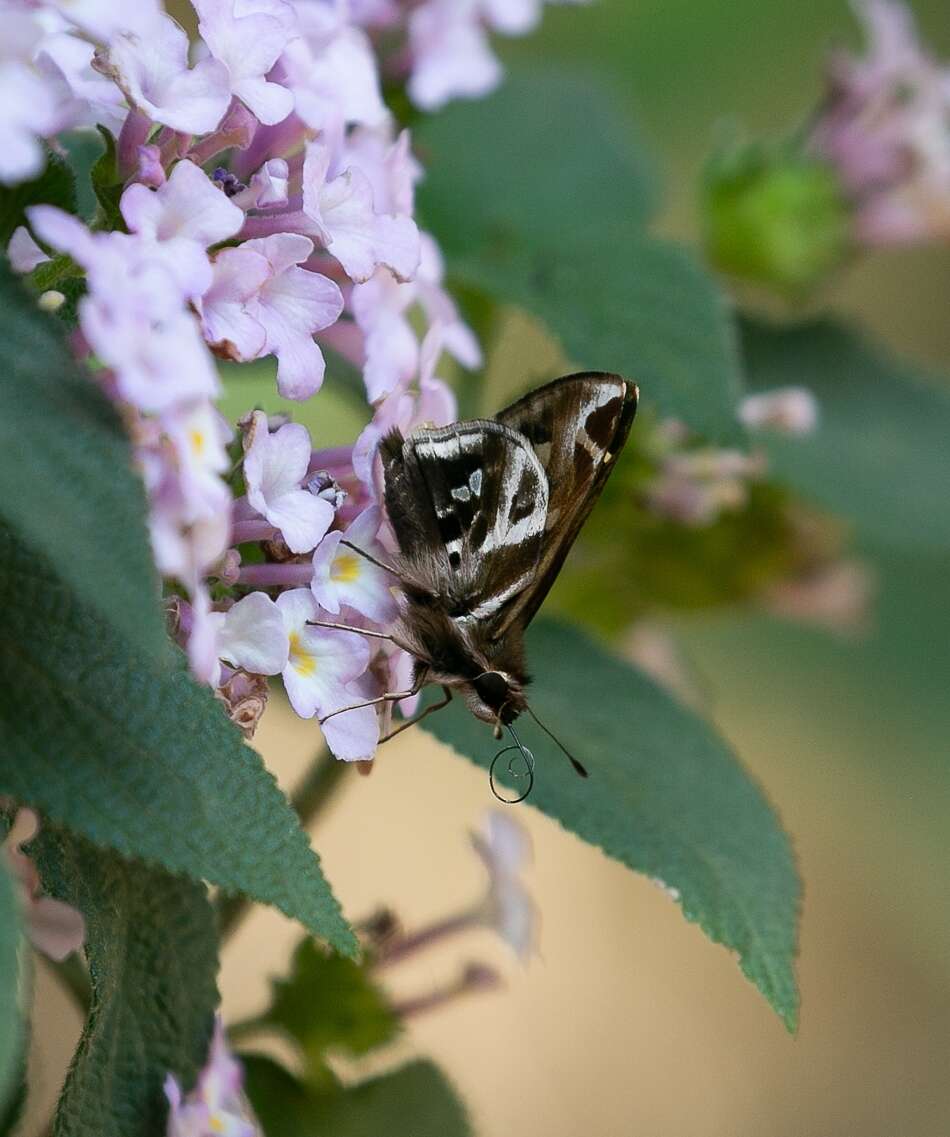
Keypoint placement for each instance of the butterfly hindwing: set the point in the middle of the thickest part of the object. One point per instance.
(470, 502)
(577, 426)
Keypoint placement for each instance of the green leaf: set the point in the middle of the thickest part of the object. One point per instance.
(85, 148)
(11, 1027)
(665, 796)
(329, 1004)
(621, 301)
(66, 479)
(139, 758)
(107, 183)
(152, 949)
(54, 186)
(880, 455)
(539, 196)
(548, 153)
(415, 1101)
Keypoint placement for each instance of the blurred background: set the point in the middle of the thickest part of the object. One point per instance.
(630, 1023)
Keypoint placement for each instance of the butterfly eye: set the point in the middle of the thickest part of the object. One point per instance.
(492, 688)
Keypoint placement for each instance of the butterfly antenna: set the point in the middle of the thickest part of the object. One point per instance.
(578, 768)
(520, 752)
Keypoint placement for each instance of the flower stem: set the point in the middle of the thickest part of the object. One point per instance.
(320, 783)
(266, 575)
(398, 949)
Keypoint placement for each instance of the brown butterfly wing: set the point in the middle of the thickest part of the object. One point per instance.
(577, 426)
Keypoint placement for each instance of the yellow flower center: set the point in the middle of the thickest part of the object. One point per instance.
(301, 660)
(197, 439)
(216, 1121)
(345, 568)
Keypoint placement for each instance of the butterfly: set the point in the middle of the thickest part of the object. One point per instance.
(484, 513)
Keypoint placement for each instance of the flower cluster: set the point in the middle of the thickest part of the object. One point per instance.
(265, 204)
(884, 130)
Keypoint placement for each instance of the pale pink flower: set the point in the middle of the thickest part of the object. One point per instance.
(884, 130)
(451, 54)
(217, 1105)
(344, 579)
(91, 98)
(151, 62)
(54, 928)
(199, 436)
(322, 666)
(32, 106)
(342, 213)
(331, 70)
(275, 466)
(381, 308)
(134, 315)
(251, 635)
(505, 850)
(291, 306)
(433, 403)
(182, 218)
(24, 253)
(103, 20)
(248, 37)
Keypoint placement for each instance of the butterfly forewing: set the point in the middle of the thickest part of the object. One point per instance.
(577, 426)
(469, 506)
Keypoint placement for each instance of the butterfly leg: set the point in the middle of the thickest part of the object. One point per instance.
(372, 560)
(359, 632)
(446, 691)
(388, 697)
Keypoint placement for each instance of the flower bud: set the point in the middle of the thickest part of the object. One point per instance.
(775, 217)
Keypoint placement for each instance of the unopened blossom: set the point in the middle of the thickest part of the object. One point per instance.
(331, 70)
(262, 303)
(54, 927)
(342, 213)
(505, 850)
(786, 410)
(217, 1106)
(150, 62)
(342, 578)
(320, 674)
(248, 37)
(275, 468)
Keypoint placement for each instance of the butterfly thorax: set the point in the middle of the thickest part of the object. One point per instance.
(455, 649)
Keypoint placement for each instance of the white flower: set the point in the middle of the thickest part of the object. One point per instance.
(331, 70)
(342, 213)
(151, 60)
(321, 666)
(344, 579)
(788, 410)
(274, 467)
(24, 253)
(248, 36)
(505, 849)
(251, 635)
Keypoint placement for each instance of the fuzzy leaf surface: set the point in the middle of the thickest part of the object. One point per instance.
(66, 480)
(665, 796)
(139, 758)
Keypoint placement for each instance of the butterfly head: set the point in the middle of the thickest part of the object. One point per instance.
(496, 696)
